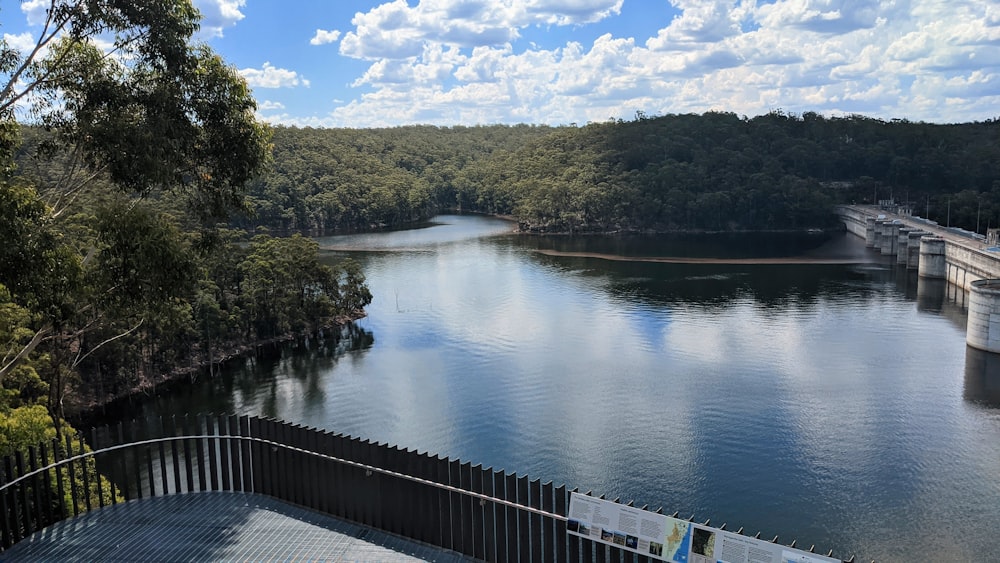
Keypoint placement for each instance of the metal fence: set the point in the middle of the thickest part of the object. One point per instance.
(479, 512)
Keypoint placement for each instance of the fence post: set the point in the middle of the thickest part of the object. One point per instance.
(576, 543)
(561, 509)
(382, 500)
(122, 480)
(500, 515)
(336, 487)
(523, 521)
(36, 488)
(535, 501)
(5, 506)
(314, 494)
(430, 500)
(72, 477)
(43, 452)
(444, 503)
(510, 494)
(469, 530)
(253, 462)
(548, 522)
(455, 502)
(212, 444)
(478, 514)
(26, 521)
(63, 512)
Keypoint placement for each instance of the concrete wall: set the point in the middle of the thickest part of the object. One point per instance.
(963, 264)
(966, 265)
(854, 220)
(983, 329)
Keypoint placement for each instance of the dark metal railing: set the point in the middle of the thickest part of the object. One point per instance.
(479, 512)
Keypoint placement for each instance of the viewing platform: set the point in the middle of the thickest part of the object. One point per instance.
(218, 488)
(217, 526)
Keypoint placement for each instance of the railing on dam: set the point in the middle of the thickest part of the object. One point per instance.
(479, 512)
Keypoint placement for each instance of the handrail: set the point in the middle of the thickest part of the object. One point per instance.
(241, 454)
(359, 465)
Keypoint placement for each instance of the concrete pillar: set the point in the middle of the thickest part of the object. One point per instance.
(932, 260)
(913, 249)
(902, 243)
(890, 235)
(879, 232)
(869, 232)
(983, 328)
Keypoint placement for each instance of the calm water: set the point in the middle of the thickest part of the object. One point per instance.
(835, 404)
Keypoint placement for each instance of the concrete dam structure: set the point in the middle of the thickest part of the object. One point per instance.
(937, 252)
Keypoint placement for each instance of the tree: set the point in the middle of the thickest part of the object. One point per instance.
(150, 115)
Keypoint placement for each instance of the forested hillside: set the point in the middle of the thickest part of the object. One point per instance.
(356, 179)
(716, 171)
(116, 270)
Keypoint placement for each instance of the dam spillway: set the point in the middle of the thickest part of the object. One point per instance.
(959, 258)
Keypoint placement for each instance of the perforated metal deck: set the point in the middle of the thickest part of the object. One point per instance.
(216, 526)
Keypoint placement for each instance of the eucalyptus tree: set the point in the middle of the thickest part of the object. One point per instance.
(132, 108)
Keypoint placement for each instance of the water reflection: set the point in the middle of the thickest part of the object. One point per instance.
(820, 401)
(982, 377)
(265, 383)
(930, 295)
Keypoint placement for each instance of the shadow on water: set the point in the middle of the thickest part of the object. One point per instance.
(687, 245)
(982, 377)
(812, 267)
(251, 379)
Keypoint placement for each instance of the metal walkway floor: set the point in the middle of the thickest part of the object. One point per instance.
(216, 526)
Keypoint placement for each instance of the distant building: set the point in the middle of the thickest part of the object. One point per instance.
(893, 206)
(993, 237)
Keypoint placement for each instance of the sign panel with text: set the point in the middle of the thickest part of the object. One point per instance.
(669, 539)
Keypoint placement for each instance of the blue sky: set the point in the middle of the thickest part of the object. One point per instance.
(339, 63)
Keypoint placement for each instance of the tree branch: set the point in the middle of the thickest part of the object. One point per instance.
(80, 358)
(7, 97)
(27, 349)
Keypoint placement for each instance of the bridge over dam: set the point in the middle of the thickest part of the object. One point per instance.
(962, 258)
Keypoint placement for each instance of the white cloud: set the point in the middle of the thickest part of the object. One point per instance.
(397, 30)
(269, 76)
(462, 61)
(821, 16)
(35, 10)
(23, 42)
(218, 15)
(699, 22)
(323, 37)
(268, 105)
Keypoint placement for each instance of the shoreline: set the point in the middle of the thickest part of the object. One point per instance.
(91, 406)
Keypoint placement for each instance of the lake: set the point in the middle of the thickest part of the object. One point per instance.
(799, 385)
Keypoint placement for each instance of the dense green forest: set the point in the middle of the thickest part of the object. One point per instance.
(116, 268)
(716, 171)
(138, 191)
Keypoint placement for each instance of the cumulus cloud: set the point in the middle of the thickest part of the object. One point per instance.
(323, 37)
(700, 22)
(269, 76)
(35, 11)
(268, 105)
(217, 15)
(821, 16)
(23, 42)
(397, 30)
(464, 61)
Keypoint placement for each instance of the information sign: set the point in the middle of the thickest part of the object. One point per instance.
(670, 539)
